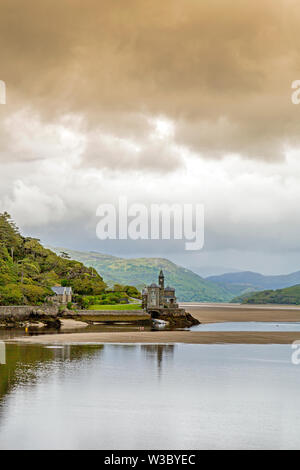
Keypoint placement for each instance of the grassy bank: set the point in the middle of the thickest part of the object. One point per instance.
(116, 307)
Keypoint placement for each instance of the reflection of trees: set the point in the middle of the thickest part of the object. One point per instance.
(158, 352)
(24, 362)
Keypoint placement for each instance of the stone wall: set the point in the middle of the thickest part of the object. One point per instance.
(23, 311)
(107, 312)
(109, 316)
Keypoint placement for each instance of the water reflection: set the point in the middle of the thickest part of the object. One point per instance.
(10, 333)
(24, 363)
(116, 396)
(158, 352)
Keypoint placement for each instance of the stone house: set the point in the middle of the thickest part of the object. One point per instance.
(63, 295)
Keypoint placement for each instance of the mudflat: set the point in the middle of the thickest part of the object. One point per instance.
(166, 337)
(213, 313)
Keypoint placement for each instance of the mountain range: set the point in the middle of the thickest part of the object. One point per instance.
(239, 283)
(189, 285)
(144, 271)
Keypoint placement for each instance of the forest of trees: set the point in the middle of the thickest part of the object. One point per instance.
(28, 270)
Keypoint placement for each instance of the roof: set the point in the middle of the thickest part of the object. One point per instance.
(58, 290)
(153, 285)
(170, 288)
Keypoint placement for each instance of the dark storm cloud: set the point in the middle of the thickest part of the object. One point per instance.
(88, 83)
(222, 70)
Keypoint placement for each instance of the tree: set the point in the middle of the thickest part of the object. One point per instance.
(9, 233)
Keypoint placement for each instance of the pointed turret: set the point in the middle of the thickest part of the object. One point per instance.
(161, 280)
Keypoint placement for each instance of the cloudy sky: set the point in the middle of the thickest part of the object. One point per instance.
(167, 102)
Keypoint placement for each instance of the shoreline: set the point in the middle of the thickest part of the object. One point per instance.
(165, 337)
(205, 313)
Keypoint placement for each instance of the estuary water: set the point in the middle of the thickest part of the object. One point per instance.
(135, 396)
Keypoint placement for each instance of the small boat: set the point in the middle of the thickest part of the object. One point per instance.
(159, 323)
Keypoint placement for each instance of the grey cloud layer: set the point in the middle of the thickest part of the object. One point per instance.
(221, 70)
(88, 81)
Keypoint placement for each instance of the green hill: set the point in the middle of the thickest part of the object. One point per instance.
(143, 271)
(28, 270)
(288, 295)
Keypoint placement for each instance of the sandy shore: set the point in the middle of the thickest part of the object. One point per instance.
(212, 313)
(158, 337)
(69, 324)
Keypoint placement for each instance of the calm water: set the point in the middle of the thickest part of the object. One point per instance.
(248, 326)
(149, 396)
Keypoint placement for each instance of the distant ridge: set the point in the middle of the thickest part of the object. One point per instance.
(142, 271)
(248, 281)
(286, 296)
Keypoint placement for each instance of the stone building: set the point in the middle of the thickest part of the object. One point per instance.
(63, 295)
(158, 297)
(160, 302)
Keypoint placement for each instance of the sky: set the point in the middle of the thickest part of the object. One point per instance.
(161, 102)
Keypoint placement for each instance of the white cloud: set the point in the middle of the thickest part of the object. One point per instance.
(32, 206)
(249, 205)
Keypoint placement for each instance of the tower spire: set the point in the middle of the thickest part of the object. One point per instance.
(161, 279)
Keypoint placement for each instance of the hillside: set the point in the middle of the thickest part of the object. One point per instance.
(247, 281)
(143, 271)
(28, 270)
(288, 295)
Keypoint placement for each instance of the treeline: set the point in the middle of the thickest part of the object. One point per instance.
(28, 270)
(288, 295)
